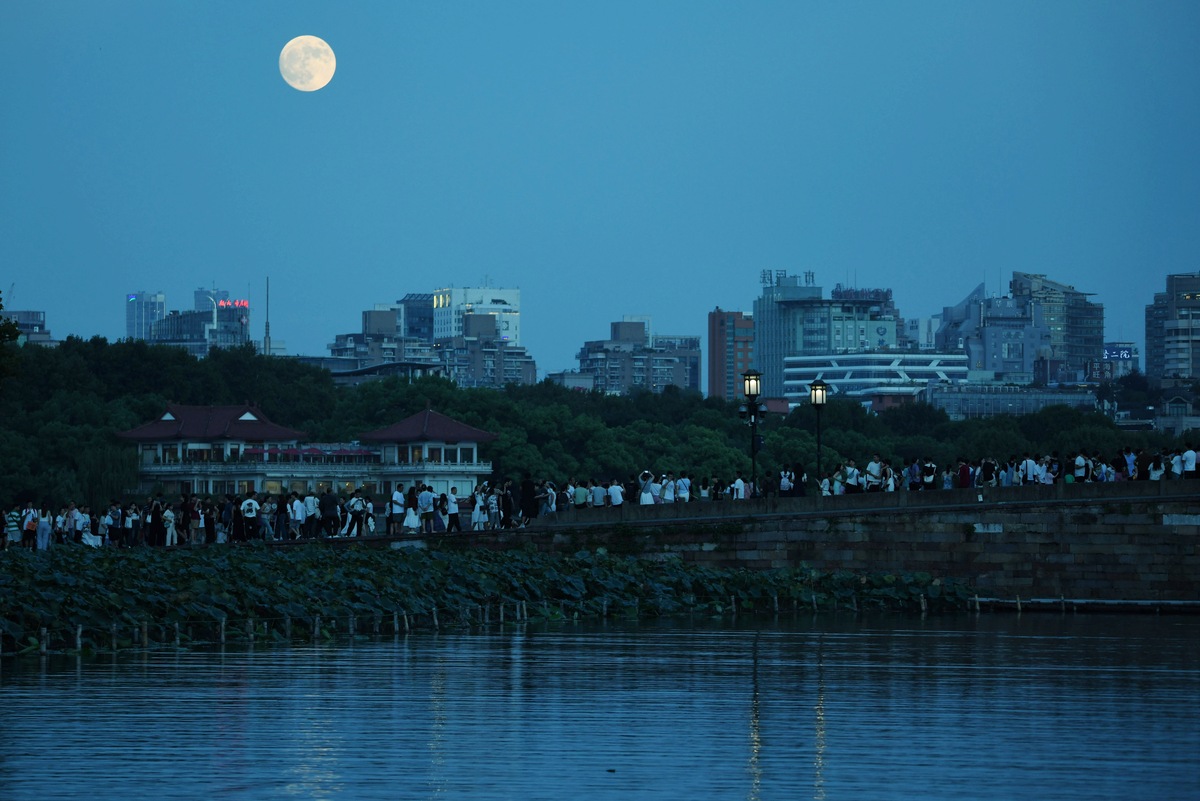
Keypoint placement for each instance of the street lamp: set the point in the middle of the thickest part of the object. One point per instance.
(752, 388)
(818, 394)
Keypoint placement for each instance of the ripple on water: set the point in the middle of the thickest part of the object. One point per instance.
(990, 708)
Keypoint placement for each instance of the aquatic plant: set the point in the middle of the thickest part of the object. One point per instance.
(71, 598)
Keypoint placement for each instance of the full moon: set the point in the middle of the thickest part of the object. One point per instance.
(307, 63)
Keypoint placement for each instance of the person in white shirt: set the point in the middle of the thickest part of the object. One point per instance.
(1081, 468)
(1030, 474)
(1176, 471)
(873, 478)
(599, 495)
(683, 488)
(452, 522)
(1189, 462)
(356, 507)
(787, 480)
(853, 477)
(297, 514)
(249, 509)
(667, 491)
(396, 510)
(616, 493)
(737, 490)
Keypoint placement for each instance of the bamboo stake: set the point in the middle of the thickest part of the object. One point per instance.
(79, 637)
(222, 630)
(435, 620)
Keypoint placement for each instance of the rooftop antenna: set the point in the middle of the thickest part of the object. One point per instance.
(267, 324)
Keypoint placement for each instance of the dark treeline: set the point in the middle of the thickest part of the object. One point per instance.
(61, 409)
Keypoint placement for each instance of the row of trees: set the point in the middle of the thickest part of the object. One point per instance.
(62, 407)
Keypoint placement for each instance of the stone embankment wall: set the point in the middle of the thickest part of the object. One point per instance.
(1126, 541)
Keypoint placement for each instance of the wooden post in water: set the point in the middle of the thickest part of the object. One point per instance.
(395, 622)
(406, 622)
(316, 627)
(378, 623)
(924, 608)
(145, 635)
(352, 625)
(435, 620)
(604, 609)
(250, 630)
(775, 602)
(79, 637)
(177, 634)
(733, 605)
(1018, 604)
(287, 627)
(112, 631)
(42, 645)
(502, 613)
(487, 615)
(221, 630)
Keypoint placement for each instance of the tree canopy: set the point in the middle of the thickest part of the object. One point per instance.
(62, 408)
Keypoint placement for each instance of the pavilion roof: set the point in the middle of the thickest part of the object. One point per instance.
(428, 426)
(244, 423)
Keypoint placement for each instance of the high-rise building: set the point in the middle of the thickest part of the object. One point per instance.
(417, 315)
(450, 306)
(795, 319)
(31, 327)
(1002, 337)
(1172, 329)
(632, 359)
(142, 311)
(225, 324)
(1076, 324)
(730, 352)
(203, 299)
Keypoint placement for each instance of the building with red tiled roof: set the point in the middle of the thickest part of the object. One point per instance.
(218, 449)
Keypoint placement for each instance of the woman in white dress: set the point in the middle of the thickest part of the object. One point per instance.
(479, 510)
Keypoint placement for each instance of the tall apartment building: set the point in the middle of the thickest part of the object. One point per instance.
(730, 352)
(1172, 329)
(793, 318)
(480, 357)
(450, 306)
(142, 311)
(1076, 324)
(632, 359)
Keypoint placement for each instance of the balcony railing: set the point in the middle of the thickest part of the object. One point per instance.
(311, 469)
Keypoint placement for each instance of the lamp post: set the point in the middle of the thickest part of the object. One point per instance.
(752, 389)
(818, 394)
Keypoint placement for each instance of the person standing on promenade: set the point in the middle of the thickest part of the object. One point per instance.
(616, 494)
(356, 507)
(425, 501)
(873, 477)
(249, 509)
(312, 513)
(44, 526)
(395, 519)
(683, 489)
(452, 521)
(297, 516)
(737, 490)
(328, 508)
(170, 535)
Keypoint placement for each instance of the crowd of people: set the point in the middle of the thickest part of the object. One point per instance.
(503, 504)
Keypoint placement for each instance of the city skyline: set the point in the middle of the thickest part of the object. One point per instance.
(610, 162)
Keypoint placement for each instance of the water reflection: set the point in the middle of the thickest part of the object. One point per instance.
(997, 707)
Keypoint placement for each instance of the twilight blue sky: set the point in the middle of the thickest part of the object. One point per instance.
(608, 159)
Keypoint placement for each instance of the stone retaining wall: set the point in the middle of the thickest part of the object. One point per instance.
(1134, 541)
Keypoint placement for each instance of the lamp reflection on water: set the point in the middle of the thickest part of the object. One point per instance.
(755, 734)
(819, 734)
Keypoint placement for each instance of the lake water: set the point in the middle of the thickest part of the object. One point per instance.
(832, 707)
